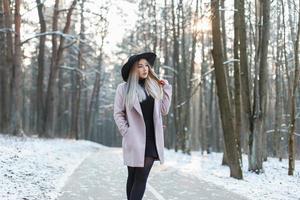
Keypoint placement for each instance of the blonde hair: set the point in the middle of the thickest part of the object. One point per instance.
(152, 87)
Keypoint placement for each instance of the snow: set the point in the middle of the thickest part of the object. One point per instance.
(274, 184)
(34, 168)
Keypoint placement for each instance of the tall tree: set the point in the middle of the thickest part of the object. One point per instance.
(5, 64)
(255, 157)
(223, 96)
(278, 100)
(50, 117)
(17, 75)
(244, 75)
(175, 58)
(8, 61)
(93, 109)
(41, 64)
(77, 79)
(237, 81)
(292, 125)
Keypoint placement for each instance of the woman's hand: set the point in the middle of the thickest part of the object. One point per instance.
(163, 82)
(167, 96)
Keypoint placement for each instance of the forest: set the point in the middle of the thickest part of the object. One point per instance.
(233, 65)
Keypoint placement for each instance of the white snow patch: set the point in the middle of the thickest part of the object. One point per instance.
(34, 168)
(274, 183)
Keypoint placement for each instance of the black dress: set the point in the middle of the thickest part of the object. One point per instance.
(147, 109)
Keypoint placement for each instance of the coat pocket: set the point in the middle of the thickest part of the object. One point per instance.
(128, 130)
(125, 137)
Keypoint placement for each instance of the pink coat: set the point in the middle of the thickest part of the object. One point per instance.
(132, 127)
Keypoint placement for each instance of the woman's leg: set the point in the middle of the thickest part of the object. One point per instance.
(130, 180)
(140, 179)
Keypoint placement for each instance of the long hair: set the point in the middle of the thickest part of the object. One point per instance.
(152, 87)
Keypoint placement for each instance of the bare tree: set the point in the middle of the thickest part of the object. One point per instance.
(41, 64)
(292, 125)
(260, 90)
(223, 96)
(57, 54)
(8, 70)
(237, 81)
(17, 76)
(5, 64)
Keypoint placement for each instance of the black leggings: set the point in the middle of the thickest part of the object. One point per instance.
(137, 178)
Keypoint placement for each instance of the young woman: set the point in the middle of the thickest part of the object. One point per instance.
(139, 104)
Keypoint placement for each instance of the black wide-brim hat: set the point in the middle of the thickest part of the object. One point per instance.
(149, 56)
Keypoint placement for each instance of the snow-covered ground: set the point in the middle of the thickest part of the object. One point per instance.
(273, 184)
(33, 168)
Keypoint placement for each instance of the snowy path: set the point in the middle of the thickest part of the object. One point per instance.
(103, 176)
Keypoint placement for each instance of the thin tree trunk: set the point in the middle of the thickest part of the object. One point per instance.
(78, 84)
(7, 126)
(244, 76)
(48, 114)
(192, 72)
(5, 66)
(17, 78)
(93, 106)
(176, 111)
(40, 77)
(237, 87)
(278, 102)
(292, 125)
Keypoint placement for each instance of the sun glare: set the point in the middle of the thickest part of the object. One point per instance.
(203, 25)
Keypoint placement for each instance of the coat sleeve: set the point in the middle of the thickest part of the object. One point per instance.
(119, 112)
(167, 96)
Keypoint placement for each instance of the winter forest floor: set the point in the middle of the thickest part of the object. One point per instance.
(102, 176)
(48, 169)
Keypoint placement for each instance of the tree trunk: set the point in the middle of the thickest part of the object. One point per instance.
(176, 111)
(244, 76)
(77, 83)
(41, 63)
(57, 56)
(237, 87)
(17, 77)
(8, 61)
(278, 103)
(292, 126)
(223, 96)
(5, 66)
(260, 98)
(48, 115)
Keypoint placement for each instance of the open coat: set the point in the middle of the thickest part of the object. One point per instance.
(132, 127)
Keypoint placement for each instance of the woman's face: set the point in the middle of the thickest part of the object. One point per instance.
(142, 68)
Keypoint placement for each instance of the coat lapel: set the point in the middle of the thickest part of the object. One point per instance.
(137, 105)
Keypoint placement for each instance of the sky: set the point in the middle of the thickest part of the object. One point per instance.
(118, 24)
(121, 16)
